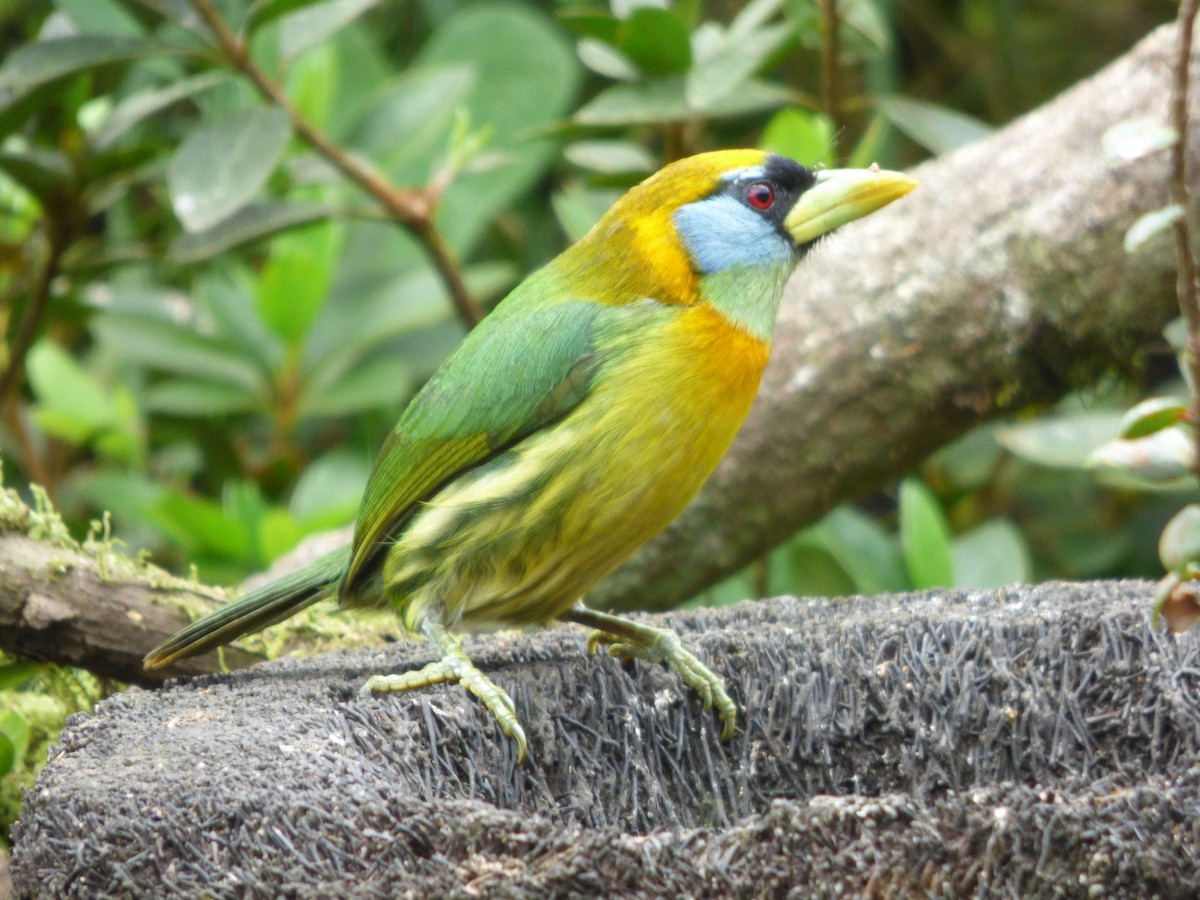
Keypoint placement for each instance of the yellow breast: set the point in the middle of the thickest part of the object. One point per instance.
(523, 537)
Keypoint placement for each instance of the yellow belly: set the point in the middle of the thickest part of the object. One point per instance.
(521, 538)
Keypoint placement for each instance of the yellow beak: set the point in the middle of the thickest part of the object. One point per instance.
(841, 196)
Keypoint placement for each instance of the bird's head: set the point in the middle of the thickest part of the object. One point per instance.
(737, 212)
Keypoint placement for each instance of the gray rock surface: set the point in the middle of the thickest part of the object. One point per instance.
(1036, 741)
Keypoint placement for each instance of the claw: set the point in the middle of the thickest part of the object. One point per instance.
(455, 665)
(660, 645)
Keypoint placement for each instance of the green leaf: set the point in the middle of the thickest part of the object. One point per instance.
(813, 571)
(308, 26)
(1179, 543)
(1151, 415)
(606, 60)
(718, 81)
(43, 173)
(104, 17)
(591, 23)
(665, 100)
(655, 40)
(410, 120)
(331, 486)
(138, 107)
(71, 404)
(248, 224)
(991, 555)
(610, 157)
(579, 208)
(1135, 138)
(1060, 441)
(378, 383)
(294, 282)
(164, 345)
(800, 134)
(8, 754)
(13, 675)
(526, 78)
(191, 397)
(865, 551)
(278, 533)
(934, 127)
(16, 728)
(262, 12)
(222, 165)
(924, 536)
(1150, 224)
(201, 525)
(31, 65)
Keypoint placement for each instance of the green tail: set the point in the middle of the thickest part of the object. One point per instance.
(260, 608)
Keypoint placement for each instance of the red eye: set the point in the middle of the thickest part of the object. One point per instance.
(760, 195)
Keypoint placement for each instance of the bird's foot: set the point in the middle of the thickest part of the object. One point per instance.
(660, 645)
(455, 666)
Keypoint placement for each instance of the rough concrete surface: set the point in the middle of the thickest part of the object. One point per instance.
(1035, 741)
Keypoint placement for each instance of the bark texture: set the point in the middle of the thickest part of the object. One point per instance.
(90, 606)
(1032, 742)
(1000, 282)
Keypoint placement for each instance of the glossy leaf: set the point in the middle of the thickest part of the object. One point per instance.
(1150, 224)
(527, 77)
(8, 754)
(935, 127)
(294, 281)
(800, 134)
(382, 382)
(138, 107)
(201, 525)
(611, 157)
(15, 674)
(248, 224)
(192, 397)
(1151, 415)
(1179, 543)
(665, 100)
(991, 555)
(1135, 138)
(313, 23)
(331, 485)
(165, 346)
(578, 208)
(717, 82)
(222, 165)
(71, 404)
(101, 17)
(925, 537)
(655, 40)
(31, 65)
(868, 554)
(1060, 441)
(606, 60)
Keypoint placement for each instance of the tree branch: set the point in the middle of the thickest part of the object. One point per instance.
(410, 207)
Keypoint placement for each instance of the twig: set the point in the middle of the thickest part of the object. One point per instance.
(39, 298)
(1186, 288)
(831, 101)
(412, 208)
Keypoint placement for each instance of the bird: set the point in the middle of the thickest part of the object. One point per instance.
(574, 423)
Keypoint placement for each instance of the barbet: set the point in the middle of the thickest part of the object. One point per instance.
(574, 423)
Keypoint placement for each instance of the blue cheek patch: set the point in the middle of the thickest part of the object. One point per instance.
(719, 232)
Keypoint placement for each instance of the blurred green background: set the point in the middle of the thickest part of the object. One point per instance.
(209, 329)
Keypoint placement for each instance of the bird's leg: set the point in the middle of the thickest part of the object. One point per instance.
(454, 665)
(660, 645)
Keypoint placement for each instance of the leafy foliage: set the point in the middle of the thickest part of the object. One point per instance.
(211, 320)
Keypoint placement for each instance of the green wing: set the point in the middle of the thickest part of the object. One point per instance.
(515, 373)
